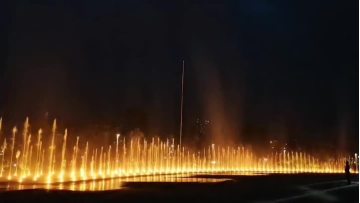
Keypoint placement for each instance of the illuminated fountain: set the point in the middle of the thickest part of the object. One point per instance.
(31, 161)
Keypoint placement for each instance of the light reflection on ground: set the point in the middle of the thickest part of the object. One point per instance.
(119, 183)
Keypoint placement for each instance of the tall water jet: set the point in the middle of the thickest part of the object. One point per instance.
(101, 162)
(84, 162)
(3, 149)
(63, 160)
(108, 162)
(38, 154)
(26, 164)
(17, 155)
(86, 159)
(25, 132)
(52, 148)
(95, 163)
(0, 127)
(74, 158)
(30, 163)
(117, 152)
(12, 151)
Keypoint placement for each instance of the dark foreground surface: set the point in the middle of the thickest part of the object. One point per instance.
(269, 188)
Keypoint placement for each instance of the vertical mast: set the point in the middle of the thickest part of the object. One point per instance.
(182, 99)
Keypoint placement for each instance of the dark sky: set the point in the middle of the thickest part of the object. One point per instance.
(256, 69)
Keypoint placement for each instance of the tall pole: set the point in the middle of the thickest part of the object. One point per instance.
(182, 99)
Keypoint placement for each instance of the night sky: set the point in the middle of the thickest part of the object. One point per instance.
(256, 69)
